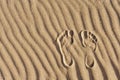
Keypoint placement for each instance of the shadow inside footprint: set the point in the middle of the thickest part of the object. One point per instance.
(89, 61)
(64, 40)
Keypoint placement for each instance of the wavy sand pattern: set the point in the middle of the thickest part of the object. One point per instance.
(29, 30)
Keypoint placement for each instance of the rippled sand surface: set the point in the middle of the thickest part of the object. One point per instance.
(59, 39)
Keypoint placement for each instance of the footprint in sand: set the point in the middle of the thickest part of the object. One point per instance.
(88, 39)
(65, 40)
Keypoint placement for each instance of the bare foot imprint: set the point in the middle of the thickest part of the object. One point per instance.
(64, 40)
(88, 39)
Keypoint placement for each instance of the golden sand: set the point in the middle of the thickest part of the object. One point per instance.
(31, 47)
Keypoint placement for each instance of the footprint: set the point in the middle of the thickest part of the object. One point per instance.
(65, 40)
(88, 39)
(89, 61)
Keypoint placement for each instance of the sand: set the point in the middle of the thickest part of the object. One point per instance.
(59, 40)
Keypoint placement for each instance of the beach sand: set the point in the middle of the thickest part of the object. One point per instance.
(59, 40)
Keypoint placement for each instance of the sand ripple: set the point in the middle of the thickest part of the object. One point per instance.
(28, 39)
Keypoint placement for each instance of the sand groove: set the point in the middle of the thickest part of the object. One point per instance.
(28, 40)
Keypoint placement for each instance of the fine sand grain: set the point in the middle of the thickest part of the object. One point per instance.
(59, 40)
